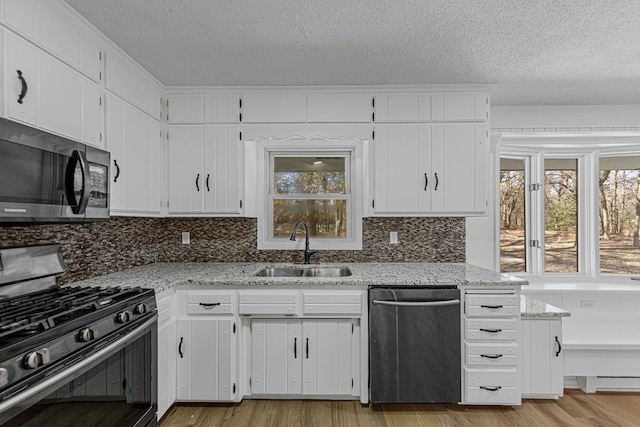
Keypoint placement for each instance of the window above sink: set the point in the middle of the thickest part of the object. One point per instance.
(317, 180)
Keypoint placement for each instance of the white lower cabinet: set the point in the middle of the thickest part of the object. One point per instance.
(207, 360)
(491, 347)
(303, 357)
(166, 367)
(542, 358)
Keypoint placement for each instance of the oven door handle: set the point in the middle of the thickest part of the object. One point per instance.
(418, 303)
(65, 373)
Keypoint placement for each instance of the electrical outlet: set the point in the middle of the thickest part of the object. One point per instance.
(393, 237)
(186, 238)
(587, 303)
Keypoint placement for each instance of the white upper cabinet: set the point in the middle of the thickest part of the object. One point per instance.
(49, 27)
(46, 93)
(133, 138)
(131, 86)
(205, 170)
(21, 76)
(429, 169)
(411, 107)
(339, 107)
(204, 109)
(274, 108)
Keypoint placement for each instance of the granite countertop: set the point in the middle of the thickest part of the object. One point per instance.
(531, 308)
(163, 276)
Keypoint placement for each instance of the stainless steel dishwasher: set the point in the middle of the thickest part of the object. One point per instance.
(414, 345)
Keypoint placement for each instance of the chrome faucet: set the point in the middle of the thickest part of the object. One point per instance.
(307, 251)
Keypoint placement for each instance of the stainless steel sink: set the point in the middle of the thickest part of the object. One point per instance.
(296, 271)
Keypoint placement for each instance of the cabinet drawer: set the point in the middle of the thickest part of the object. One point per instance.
(268, 298)
(339, 298)
(491, 323)
(205, 308)
(164, 304)
(493, 377)
(492, 359)
(333, 309)
(506, 395)
(284, 309)
(490, 310)
(510, 349)
(209, 298)
(491, 334)
(492, 299)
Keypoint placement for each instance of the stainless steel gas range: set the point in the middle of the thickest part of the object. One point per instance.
(73, 355)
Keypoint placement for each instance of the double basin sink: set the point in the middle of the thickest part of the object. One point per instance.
(300, 271)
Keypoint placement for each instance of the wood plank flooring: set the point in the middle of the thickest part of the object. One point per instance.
(574, 409)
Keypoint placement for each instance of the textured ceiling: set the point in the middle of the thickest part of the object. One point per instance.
(537, 51)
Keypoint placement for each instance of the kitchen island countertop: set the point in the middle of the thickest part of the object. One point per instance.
(163, 276)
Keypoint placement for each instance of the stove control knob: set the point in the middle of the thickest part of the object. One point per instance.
(4, 377)
(30, 360)
(123, 316)
(87, 334)
(140, 308)
(44, 356)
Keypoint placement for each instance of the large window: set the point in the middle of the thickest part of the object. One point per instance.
(619, 214)
(571, 214)
(316, 181)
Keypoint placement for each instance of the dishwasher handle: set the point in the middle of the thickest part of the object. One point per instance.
(418, 303)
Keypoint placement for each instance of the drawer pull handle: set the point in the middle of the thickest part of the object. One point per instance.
(295, 348)
(493, 331)
(496, 388)
(209, 304)
(492, 307)
(559, 347)
(491, 356)
(180, 348)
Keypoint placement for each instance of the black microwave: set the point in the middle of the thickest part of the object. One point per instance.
(47, 178)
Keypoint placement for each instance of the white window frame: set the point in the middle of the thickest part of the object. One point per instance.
(587, 148)
(352, 148)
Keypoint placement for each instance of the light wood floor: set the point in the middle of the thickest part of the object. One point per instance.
(574, 409)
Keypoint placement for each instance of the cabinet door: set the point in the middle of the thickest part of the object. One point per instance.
(542, 358)
(401, 168)
(339, 107)
(92, 113)
(222, 171)
(22, 62)
(276, 356)
(274, 108)
(115, 145)
(327, 364)
(137, 169)
(59, 97)
(458, 168)
(166, 367)
(402, 108)
(206, 368)
(222, 109)
(186, 109)
(186, 181)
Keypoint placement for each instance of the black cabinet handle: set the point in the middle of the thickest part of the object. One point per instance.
(426, 181)
(493, 307)
(491, 356)
(295, 348)
(307, 348)
(180, 347)
(115, 178)
(25, 88)
(496, 388)
(493, 331)
(197, 182)
(559, 347)
(436, 189)
(209, 304)
(207, 181)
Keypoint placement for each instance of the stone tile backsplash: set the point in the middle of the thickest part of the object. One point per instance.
(123, 242)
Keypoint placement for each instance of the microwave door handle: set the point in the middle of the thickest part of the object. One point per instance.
(80, 206)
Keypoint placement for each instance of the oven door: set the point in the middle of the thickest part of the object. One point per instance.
(112, 384)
